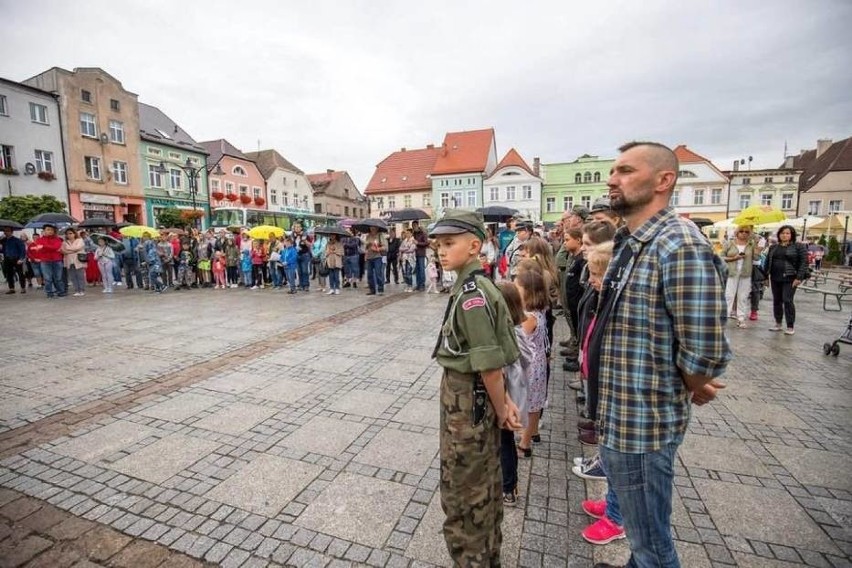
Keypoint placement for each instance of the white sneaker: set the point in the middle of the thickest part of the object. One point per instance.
(337, 292)
(776, 327)
(77, 294)
(116, 283)
(329, 293)
(254, 287)
(789, 331)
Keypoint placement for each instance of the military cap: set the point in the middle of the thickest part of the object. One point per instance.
(580, 212)
(523, 223)
(457, 221)
(601, 204)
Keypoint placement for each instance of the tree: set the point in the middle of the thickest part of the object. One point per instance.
(834, 255)
(22, 208)
(170, 217)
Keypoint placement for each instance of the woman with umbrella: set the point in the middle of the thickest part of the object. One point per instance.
(75, 259)
(375, 247)
(334, 262)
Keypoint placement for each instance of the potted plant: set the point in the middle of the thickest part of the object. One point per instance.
(191, 214)
(10, 171)
(46, 176)
(259, 201)
(231, 197)
(218, 195)
(245, 199)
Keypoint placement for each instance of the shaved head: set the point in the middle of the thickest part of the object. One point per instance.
(659, 156)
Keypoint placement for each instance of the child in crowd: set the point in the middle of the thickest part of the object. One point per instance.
(432, 274)
(245, 267)
(219, 269)
(258, 259)
(203, 255)
(186, 274)
(407, 259)
(573, 289)
(232, 261)
(290, 260)
(486, 266)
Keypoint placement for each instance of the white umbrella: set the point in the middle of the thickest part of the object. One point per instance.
(798, 223)
(724, 224)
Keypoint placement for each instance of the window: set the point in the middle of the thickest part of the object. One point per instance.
(119, 172)
(746, 181)
(172, 155)
(154, 177)
(7, 157)
(835, 205)
(587, 177)
(273, 198)
(114, 105)
(285, 198)
(686, 174)
(214, 185)
(116, 132)
(380, 203)
(445, 199)
(239, 171)
(457, 198)
(38, 113)
(814, 207)
(788, 179)
(586, 201)
(85, 96)
(549, 204)
(527, 189)
(93, 168)
(494, 194)
(229, 189)
(578, 178)
(471, 198)
(87, 125)
(716, 196)
(698, 197)
(154, 151)
(391, 202)
(317, 207)
(745, 200)
(597, 176)
(346, 211)
(44, 161)
(767, 180)
(427, 200)
(675, 198)
(255, 191)
(786, 201)
(296, 182)
(567, 202)
(174, 178)
(243, 189)
(4, 111)
(766, 199)
(406, 201)
(510, 193)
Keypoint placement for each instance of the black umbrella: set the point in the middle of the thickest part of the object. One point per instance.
(333, 230)
(57, 219)
(96, 222)
(497, 213)
(408, 214)
(364, 225)
(14, 225)
(111, 242)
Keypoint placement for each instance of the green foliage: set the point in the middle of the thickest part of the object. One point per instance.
(170, 217)
(822, 240)
(23, 208)
(834, 255)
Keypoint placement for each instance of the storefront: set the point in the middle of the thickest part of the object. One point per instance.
(154, 205)
(112, 207)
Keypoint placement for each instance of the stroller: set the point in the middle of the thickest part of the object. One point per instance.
(833, 348)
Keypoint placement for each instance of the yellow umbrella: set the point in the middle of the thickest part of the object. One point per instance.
(137, 231)
(262, 232)
(759, 215)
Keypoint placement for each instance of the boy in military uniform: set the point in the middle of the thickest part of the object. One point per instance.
(477, 340)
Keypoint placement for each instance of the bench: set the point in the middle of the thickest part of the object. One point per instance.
(838, 295)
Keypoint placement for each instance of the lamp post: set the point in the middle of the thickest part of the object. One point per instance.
(192, 172)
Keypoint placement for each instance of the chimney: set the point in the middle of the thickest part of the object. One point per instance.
(736, 165)
(329, 172)
(788, 162)
(822, 146)
(402, 149)
(536, 165)
(430, 146)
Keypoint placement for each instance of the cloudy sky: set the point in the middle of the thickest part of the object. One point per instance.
(341, 84)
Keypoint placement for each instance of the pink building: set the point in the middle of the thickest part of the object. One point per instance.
(234, 180)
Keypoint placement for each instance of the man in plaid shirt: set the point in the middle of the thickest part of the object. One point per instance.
(660, 344)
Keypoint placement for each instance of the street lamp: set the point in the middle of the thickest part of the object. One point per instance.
(192, 172)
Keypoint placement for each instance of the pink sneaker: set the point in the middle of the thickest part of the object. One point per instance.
(752, 316)
(596, 509)
(603, 531)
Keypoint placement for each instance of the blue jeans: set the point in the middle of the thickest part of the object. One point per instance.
(407, 273)
(352, 267)
(304, 271)
(376, 275)
(420, 272)
(116, 269)
(334, 278)
(275, 273)
(643, 486)
(51, 271)
(291, 276)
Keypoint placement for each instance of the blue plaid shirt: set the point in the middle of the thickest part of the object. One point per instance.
(667, 321)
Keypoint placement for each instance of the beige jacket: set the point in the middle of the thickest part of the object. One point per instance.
(70, 250)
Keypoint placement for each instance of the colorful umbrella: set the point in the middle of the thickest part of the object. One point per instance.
(137, 231)
(759, 215)
(262, 232)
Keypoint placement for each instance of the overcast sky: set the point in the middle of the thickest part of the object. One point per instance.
(340, 84)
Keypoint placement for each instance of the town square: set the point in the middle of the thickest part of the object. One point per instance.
(398, 285)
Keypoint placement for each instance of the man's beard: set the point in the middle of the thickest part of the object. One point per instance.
(624, 206)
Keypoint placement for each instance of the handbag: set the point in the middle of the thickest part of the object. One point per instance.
(323, 269)
(82, 257)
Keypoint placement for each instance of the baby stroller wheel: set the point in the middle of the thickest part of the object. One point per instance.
(835, 349)
(826, 348)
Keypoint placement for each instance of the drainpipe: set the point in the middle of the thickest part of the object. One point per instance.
(64, 154)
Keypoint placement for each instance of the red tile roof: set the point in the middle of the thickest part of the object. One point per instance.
(405, 170)
(464, 152)
(325, 177)
(687, 156)
(513, 158)
(837, 158)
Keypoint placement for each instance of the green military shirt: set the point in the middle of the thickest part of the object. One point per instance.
(477, 334)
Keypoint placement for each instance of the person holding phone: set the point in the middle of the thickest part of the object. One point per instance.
(739, 253)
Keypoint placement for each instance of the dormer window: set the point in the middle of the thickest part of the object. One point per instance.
(239, 171)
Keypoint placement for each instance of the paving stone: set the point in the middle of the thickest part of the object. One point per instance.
(233, 383)
(400, 451)
(179, 408)
(815, 467)
(22, 552)
(105, 441)
(70, 528)
(236, 418)
(428, 544)
(288, 391)
(164, 458)
(362, 403)
(721, 454)
(140, 554)
(102, 543)
(764, 413)
(325, 436)
(265, 485)
(750, 561)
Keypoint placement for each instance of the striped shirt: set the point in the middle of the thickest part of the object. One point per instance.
(667, 320)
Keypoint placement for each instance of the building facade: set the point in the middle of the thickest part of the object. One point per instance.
(514, 184)
(403, 180)
(169, 157)
(335, 194)
(100, 120)
(777, 188)
(233, 179)
(702, 189)
(567, 184)
(31, 157)
(464, 161)
(825, 185)
(287, 187)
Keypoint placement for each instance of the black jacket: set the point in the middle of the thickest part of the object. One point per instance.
(794, 257)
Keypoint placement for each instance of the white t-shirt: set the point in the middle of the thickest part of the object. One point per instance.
(741, 250)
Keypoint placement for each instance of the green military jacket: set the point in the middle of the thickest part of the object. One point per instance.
(477, 334)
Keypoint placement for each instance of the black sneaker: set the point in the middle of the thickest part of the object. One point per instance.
(509, 500)
(571, 366)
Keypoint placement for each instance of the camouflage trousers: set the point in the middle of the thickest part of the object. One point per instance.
(471, 494)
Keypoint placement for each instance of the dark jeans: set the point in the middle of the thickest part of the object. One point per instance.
(420, 272)
(233, 275)
(393, 265)
(51, 271)
(304, 271)
(756, 289)
(782, 301)
(508, 461)
(131, 269)
(257, 275)
(11, 268)
(375, 276)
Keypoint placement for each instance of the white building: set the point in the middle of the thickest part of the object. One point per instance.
(515, 185)
(287, 187)
(31, 157)
(702, 189)
(777, 188)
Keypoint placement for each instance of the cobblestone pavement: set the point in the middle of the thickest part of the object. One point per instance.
(242, 428)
